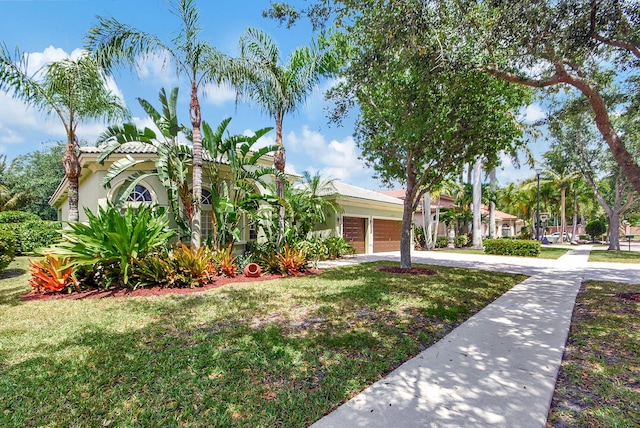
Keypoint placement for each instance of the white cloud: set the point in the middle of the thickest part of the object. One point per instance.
(157, 67)
(218, 94)
(532, 113)
(334, 159)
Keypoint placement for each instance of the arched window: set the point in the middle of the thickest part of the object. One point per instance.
(206, 197)
(140, 194)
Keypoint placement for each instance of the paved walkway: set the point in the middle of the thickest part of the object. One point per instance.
(497, 369)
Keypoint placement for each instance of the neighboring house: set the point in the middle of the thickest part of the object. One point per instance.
(93, 194)
(506, 224)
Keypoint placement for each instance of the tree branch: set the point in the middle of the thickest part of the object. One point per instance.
(514, 78)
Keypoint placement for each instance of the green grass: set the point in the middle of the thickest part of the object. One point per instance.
(599, 380)
(614, 256)
(545, 252)
(273, 353)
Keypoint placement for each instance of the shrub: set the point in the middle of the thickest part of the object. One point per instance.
(34, 234)
(442, 242)
(337, 247)
(595, 228)
(419, 237)
(7, 248)
(52, 274)
(460, 241)
(292, 261)
(226, 262)
(17, 217)
(512, 247)
(191, 267)
(111, 241)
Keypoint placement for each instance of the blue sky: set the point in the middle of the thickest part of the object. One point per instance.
(53, 29)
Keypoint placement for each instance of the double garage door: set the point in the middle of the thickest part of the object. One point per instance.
(386, 234)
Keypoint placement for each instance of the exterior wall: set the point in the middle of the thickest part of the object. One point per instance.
(369, 213)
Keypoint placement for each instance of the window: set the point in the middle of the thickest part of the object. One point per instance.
(206, 197)
(140, 194)
(206, 218)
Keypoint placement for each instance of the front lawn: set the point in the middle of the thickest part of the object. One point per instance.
(614, 256)
(273, 353)
(599, 380)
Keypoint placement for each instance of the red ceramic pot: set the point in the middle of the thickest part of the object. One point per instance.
(252, 270)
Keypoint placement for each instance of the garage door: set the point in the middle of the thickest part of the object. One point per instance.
(386, 235)
(353, 231)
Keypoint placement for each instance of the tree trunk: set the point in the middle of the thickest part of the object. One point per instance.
(477, 203)
(437, 223)
(574, 229)
(493, 183)
(72, 170)
(407, 217)
(279, 162)
(614, 231)
(563, 213)
(428, 224)
(194, 111)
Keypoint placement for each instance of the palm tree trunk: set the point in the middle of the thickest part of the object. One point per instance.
(428, 224)
(194, 111)
(563, 214)
(279, 161)
(574, 230)
(437, 223)
(477, 202)
(72, 170)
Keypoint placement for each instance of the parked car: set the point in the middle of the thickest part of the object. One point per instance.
(555, 237)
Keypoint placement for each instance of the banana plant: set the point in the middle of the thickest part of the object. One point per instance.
(170, 164)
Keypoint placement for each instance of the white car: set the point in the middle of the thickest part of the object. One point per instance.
(555, 237)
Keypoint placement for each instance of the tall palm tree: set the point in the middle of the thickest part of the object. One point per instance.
(115, 43)
(74, 90)
(278, 88)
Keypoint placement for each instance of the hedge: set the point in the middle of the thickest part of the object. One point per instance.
(512, 247)
(7, 248)
(35, 234)
(17, 217)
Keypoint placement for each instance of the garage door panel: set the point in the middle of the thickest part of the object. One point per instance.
(353, 231)
(386, 235)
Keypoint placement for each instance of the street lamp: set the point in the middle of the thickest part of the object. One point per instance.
(538, 171)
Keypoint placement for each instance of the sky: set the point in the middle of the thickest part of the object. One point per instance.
(50, 30)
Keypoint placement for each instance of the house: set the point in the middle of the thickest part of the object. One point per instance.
(369, 220)
(506, 224)
(92, 194)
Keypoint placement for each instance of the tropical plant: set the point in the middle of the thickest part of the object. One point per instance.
(292, 261)
(171, 162)
(191, 266)
(52, 274)
(226, 262)
(306, 207)
(115, 43)
(112, 240)
(278, 89)
(234, 173)
(74, 90)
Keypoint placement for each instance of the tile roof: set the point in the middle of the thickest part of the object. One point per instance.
(348, 190)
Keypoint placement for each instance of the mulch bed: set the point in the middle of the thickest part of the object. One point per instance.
(155, 291)
(629, 296)
(412, 271)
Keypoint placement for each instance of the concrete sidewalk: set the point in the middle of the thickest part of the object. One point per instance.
(497, 369)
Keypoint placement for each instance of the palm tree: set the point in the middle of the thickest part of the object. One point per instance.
(561, 175)
(74, 90)
(278, 89)
(115, 43)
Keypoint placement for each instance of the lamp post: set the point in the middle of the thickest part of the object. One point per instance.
(538, 171)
